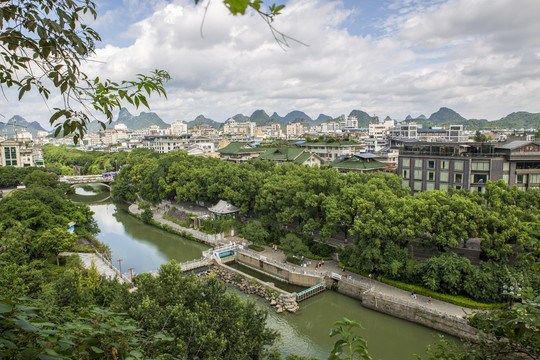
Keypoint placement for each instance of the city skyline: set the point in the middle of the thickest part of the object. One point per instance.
(388, 58)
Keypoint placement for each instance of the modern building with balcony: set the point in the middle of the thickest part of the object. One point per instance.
(433, 166)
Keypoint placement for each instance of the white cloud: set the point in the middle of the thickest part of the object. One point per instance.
(479, 57)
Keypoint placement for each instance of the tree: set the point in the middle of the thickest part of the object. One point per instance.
(54, 241)
(479, 137)
(205, 320)
(41, 178)
(293, 245)
(44, 42)
(254, 231)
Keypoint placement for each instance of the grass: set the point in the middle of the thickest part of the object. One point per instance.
(176, 221)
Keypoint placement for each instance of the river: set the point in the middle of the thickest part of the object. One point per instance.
(144, 248)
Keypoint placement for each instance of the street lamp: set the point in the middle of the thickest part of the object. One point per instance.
(120, 266)
(131, 271)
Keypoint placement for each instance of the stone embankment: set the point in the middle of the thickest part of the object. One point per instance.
(279, 299)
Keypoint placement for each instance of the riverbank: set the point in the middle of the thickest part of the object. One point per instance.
(384, 298)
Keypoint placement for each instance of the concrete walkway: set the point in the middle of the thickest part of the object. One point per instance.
(102, 267)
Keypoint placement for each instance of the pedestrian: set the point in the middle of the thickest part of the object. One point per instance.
(429, 300)
(413, 293)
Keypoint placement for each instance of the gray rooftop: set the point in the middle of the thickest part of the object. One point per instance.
(514, 144)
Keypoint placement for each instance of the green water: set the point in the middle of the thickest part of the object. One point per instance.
(280, 284)
(144, 248)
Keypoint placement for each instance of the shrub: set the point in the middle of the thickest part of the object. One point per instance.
(294, 260)
(256, 247)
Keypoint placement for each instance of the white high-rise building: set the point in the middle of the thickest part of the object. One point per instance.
(178, 128)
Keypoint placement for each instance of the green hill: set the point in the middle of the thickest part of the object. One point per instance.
(201, 119)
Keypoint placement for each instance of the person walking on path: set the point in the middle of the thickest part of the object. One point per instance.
(413, 294)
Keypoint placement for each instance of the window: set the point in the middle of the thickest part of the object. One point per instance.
(443, 186)
(418, 174)
(521, 179)
(417, 186)
(458, 178)
(535, 179)
(480, 166)
(458, 187)
(430, 186)
(443, 176)
(431, 164)
(479, 179)
(418, 163)
(458, 165)
(406, 162)
(431, 176)
(445, 164)
(405, 183)
(506, 178)
(405, 174)
(506, 166)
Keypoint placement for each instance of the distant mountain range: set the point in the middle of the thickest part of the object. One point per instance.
(443, 117)
(8, 129)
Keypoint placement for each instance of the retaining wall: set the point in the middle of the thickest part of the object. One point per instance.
(421, 315)
(294, 278)
(249, 277)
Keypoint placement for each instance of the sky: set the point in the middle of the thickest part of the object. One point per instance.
(393, 58)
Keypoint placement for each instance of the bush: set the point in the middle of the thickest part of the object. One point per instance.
(452, 299)
(321, 250)
(294, 260)
(256, 247)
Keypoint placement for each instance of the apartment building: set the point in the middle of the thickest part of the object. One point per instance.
(107, 137)
(246, 128)
(432, 166)
(380, 130)
(162, 143)
(295, 129)
(178, 128)
(204, 130)
(20, 153)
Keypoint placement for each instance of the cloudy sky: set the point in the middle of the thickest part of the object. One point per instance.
(386, 57)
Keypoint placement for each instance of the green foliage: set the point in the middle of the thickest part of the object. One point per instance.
(41, 178)
(256, 247)
(147, 215)
(350, 346)
(48, 40)
(293, 245)
(54, 241)
(509, 333)
(256, 232)
(218, 226)
(89, 333)
(456, 300)
(202, 317)
(376, 215)
(480, 137)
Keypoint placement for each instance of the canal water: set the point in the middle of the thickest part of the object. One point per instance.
(305, 333)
